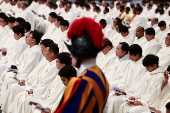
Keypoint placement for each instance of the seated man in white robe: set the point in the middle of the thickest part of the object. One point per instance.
(49, 95)
(63, 36)
(12, 53)
(140, 38)
(162, 16)
(27, 61)
(99, 15)
(161, 35)
(105, 59)
(126, 37)
(66, 73)
(107, 17)
(122, 13)
(150, 14)
(151, 46)
(105, 28)
(121, 64)
(154, 24)
(43, 26)
(68, 15)
(139, 20)
(163, 54)
(131, 79)
(149, 89)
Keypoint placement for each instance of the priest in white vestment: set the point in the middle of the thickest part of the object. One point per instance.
(52, 89)
(121, 64)
(149, 89)
(161, 35)
(140, 38)
(130, 80)
(105, 28)
(126, 36)
(27, 61)
(151, 46)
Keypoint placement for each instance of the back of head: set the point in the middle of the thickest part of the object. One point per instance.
(59, 18)
(107, 42)
(2, 14)
(150, 31)
(19, 19)
(11, 20)
(68, 71)
(53, 15)
(125, 47)
(54, 49)
(118, 20)
(168, 106)
(135, 49)
(5, 18)
(97, 8)
(64, 58)
(162, 23)
(36, 35)
(139, 9)
(107, 9)
(168, 68)
(18, 29)
(123, 29)
(64, 23)
(47, 42)
(26, 25)
(103, 22)
(150, 60)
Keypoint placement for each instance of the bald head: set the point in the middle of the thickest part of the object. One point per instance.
(140, 32)
(154, 21)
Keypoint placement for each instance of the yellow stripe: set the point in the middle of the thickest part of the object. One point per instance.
(85, 96)
(97, 92)
(90, 106)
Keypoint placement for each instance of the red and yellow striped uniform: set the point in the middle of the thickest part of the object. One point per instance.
(86, 94)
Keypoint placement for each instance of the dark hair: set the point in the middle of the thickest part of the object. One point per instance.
(138, 5)
(168, 68)
(47, 42)
(36, 35)
(107, 9)
(68, 71)
(150, 31)
(150, 60)
(25, 4)
(144, 1)
(139, 9)
(102, 21)
(135, 49)
(5, 18)
(124, 1)
(156, 19)
(150, 5)
(11, 20)
(123, 29)
(54, 49)
(107, 42)
(122, 7)
(87, 6)
(26, 25)
(59, 18)
(162, 23)
(53, 15)
(166, 4)
(118, 20)
(2, 14)
(127, 8)
(168, 105)
(118, 4)
(64, 23)
(161, 10)
(19, 19)
(97, 8)
(168, 34)
(125, 47)
(64, 58)
(18, 29)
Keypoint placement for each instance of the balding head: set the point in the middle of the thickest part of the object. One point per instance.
(154, 21)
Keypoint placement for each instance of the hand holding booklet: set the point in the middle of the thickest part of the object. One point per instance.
(39, 107)
(127, 100)
(117, 90)
(17, 79)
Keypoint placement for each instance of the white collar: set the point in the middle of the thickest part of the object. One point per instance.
(87, 64)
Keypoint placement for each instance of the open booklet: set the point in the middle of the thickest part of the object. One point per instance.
(39, 107)
(117, 90)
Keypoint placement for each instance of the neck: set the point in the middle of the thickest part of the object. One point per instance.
(31, 45)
